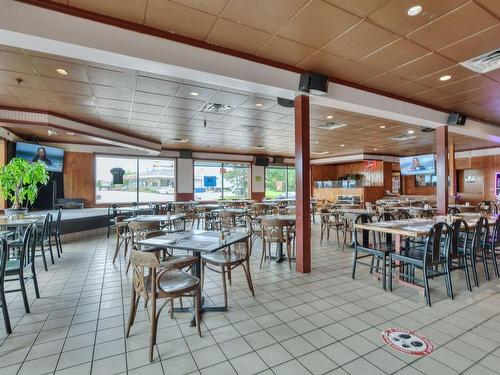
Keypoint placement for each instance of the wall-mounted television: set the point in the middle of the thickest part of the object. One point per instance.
(52, 157)
(420, 164)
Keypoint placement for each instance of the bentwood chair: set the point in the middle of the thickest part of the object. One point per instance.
(56, 232)
(225, 261)
(112, 214)
(123, 235)
(44, 242)
(20, 265)
(331, 220)
(492, 247)
(137, 231)
(432, 262)
(3, 301)
(278, 232)
(371, 248)
(163, 282)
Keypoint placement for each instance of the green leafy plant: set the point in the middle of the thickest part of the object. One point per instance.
(20, 180)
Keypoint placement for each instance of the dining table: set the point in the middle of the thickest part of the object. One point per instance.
(17, 223)
(163, 220)
(198, 242)
(134, 210)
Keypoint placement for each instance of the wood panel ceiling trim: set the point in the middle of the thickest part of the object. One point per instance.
(60, 7)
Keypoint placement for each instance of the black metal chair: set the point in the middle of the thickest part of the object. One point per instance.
(453, 211)
(155, 210)
(403, 215)
(20, 265)
(458, 259)
(433, 261)
(3, 301)
(374, 250)
(112, 214)
(492, 247)
(489, 207)
(44, 242)
(56, 233)
(476, 249)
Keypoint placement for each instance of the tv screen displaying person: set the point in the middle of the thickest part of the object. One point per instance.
(417, 166)
(41, 155)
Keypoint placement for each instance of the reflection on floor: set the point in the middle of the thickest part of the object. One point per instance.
(321, 323)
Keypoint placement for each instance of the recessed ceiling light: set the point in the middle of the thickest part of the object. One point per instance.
(375, 149)
(62, 71)
(194, 93)
(411, 131)
(342, 145)
(258, 105)
(413, 11)
(382, 126)
(70, 133)
(329, 117)
(320, 152)
(179, 140)
(445, 78)
(315, 142)
(258, 147)
(51, 132)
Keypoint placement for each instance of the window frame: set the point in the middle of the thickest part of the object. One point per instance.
(287, 168)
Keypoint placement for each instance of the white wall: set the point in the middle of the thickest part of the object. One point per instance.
(185, 176)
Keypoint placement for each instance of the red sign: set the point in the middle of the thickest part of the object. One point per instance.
(407, 341)
(369, 165)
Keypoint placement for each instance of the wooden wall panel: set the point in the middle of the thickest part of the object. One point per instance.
(387, 176)
(79, 176)
(409, 187)
(327, 172)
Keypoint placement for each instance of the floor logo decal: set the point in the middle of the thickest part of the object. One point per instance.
(407, 341)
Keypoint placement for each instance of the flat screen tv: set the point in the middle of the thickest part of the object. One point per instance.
(52, 157)
(420, 164)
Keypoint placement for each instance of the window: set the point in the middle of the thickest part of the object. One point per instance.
(280, 182)
(216, 180)
(141, 180)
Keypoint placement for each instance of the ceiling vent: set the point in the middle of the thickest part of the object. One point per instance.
(220, 109)
(179, 140)
(484, 63)
(331, 125)
(403, 137)
(427, 130)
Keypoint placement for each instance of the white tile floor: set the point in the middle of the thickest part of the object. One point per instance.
(319, 323)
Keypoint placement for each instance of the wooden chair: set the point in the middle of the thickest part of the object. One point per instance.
(278, 232)
(331, 220)
(20, 266)
(227, 220)
(224, 261)
(112, 214)
(137, 231)
(163, 282)
(123, 235)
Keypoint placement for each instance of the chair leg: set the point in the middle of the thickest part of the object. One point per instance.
(5, 311)
(474, 269)
(390, 273)
(57, 247)
(384, 271)
(426, 287)
(249, 277)
(321, 234)
(59, 242)
(263, 255)
(117, 248)
(224, 289)
(23, 292)
(197, 314)
(134, 302)
(152, 337)
(448, 277)
(51, 252)
(354, 261)
(338, 237)
(485, 265)
(467, 274)
(42, 250)
(128, 265)
(289, 255)
(229, 275)
(495, 262)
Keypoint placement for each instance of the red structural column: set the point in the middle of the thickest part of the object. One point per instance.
(302, 184)
(442, 169)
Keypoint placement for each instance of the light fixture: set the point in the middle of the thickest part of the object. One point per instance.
(415, 10)
(329, 117)
(194, 93)
(258, 147)
(70, 133)
(320, 152)
(411, 131)
(179, 140)
(342, 145)
(51, 132)
(382, 126)
(315, 142)
(375, 149)
(62, 71)
(258, 105)
(445, 78)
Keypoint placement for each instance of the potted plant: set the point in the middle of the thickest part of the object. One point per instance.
(19, 183)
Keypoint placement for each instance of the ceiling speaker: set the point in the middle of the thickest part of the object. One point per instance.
(288, 103)
(456, 118)
(316, 84)
(186, 154)
(261, 161)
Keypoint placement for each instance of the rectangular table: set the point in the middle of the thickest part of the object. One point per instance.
(166, 219)
(197, 242)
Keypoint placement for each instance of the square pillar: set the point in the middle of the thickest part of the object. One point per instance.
(442, 169)
(303, 184)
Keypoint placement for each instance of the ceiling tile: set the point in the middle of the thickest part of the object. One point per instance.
(108, 77)
(156, 86)
(15, 62)
(393, 15)
(384, 82)
(212, 6)
(473, 46)
(31, 81)
(74, 99)
(112, 92)
(191, 104)
(492, 5)
(237, 36)
(361, 8)
(227, 98)
(423, 66)
(74, 108)
(250, 12)
(457, 72)
(113, 104)
(144, 116)
(470, 17)
(130, 10)
(10, 101)
(285, 51)
(149, 98)
(178, 112)
(395, 54)
(263, 104)
(179, 19)
(47, 68)
(313, 25)
(108, 112)
(24, 92)
(204, 94)
(409, 88)
(71, 87)
(360, 40)
(467, 84)
(147, 108)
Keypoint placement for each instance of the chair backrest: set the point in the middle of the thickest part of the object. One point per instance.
(3, 259)
(453, 211)
(275, 230)
(58, 220)
(138, 229)
(489, 207)
(156, 209)
(458, 238)
(495, 234)
(403, 215)
(47, 228)
(141, 260)
(480, 234)
(433, 245)
(27, 254)
(362, 219)
(135, 204)
(227, 219)
(386, 216)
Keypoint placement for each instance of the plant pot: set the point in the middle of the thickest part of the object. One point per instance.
(16, 211)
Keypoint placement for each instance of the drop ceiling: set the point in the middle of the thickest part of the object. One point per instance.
(161, 108)
(373, 43)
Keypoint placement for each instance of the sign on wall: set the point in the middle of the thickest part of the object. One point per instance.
(209, 181)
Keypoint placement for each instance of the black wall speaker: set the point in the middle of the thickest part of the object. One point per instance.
(316, 84)
(186, 154)
(287, 103)
(261, 162)
(279, 160)
(456, 118)
(117, 175)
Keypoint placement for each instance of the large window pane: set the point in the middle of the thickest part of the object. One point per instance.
(156, 180)
(207, 180)
(291, 182)
(109, 191)
(276, 182)
(236, 177)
